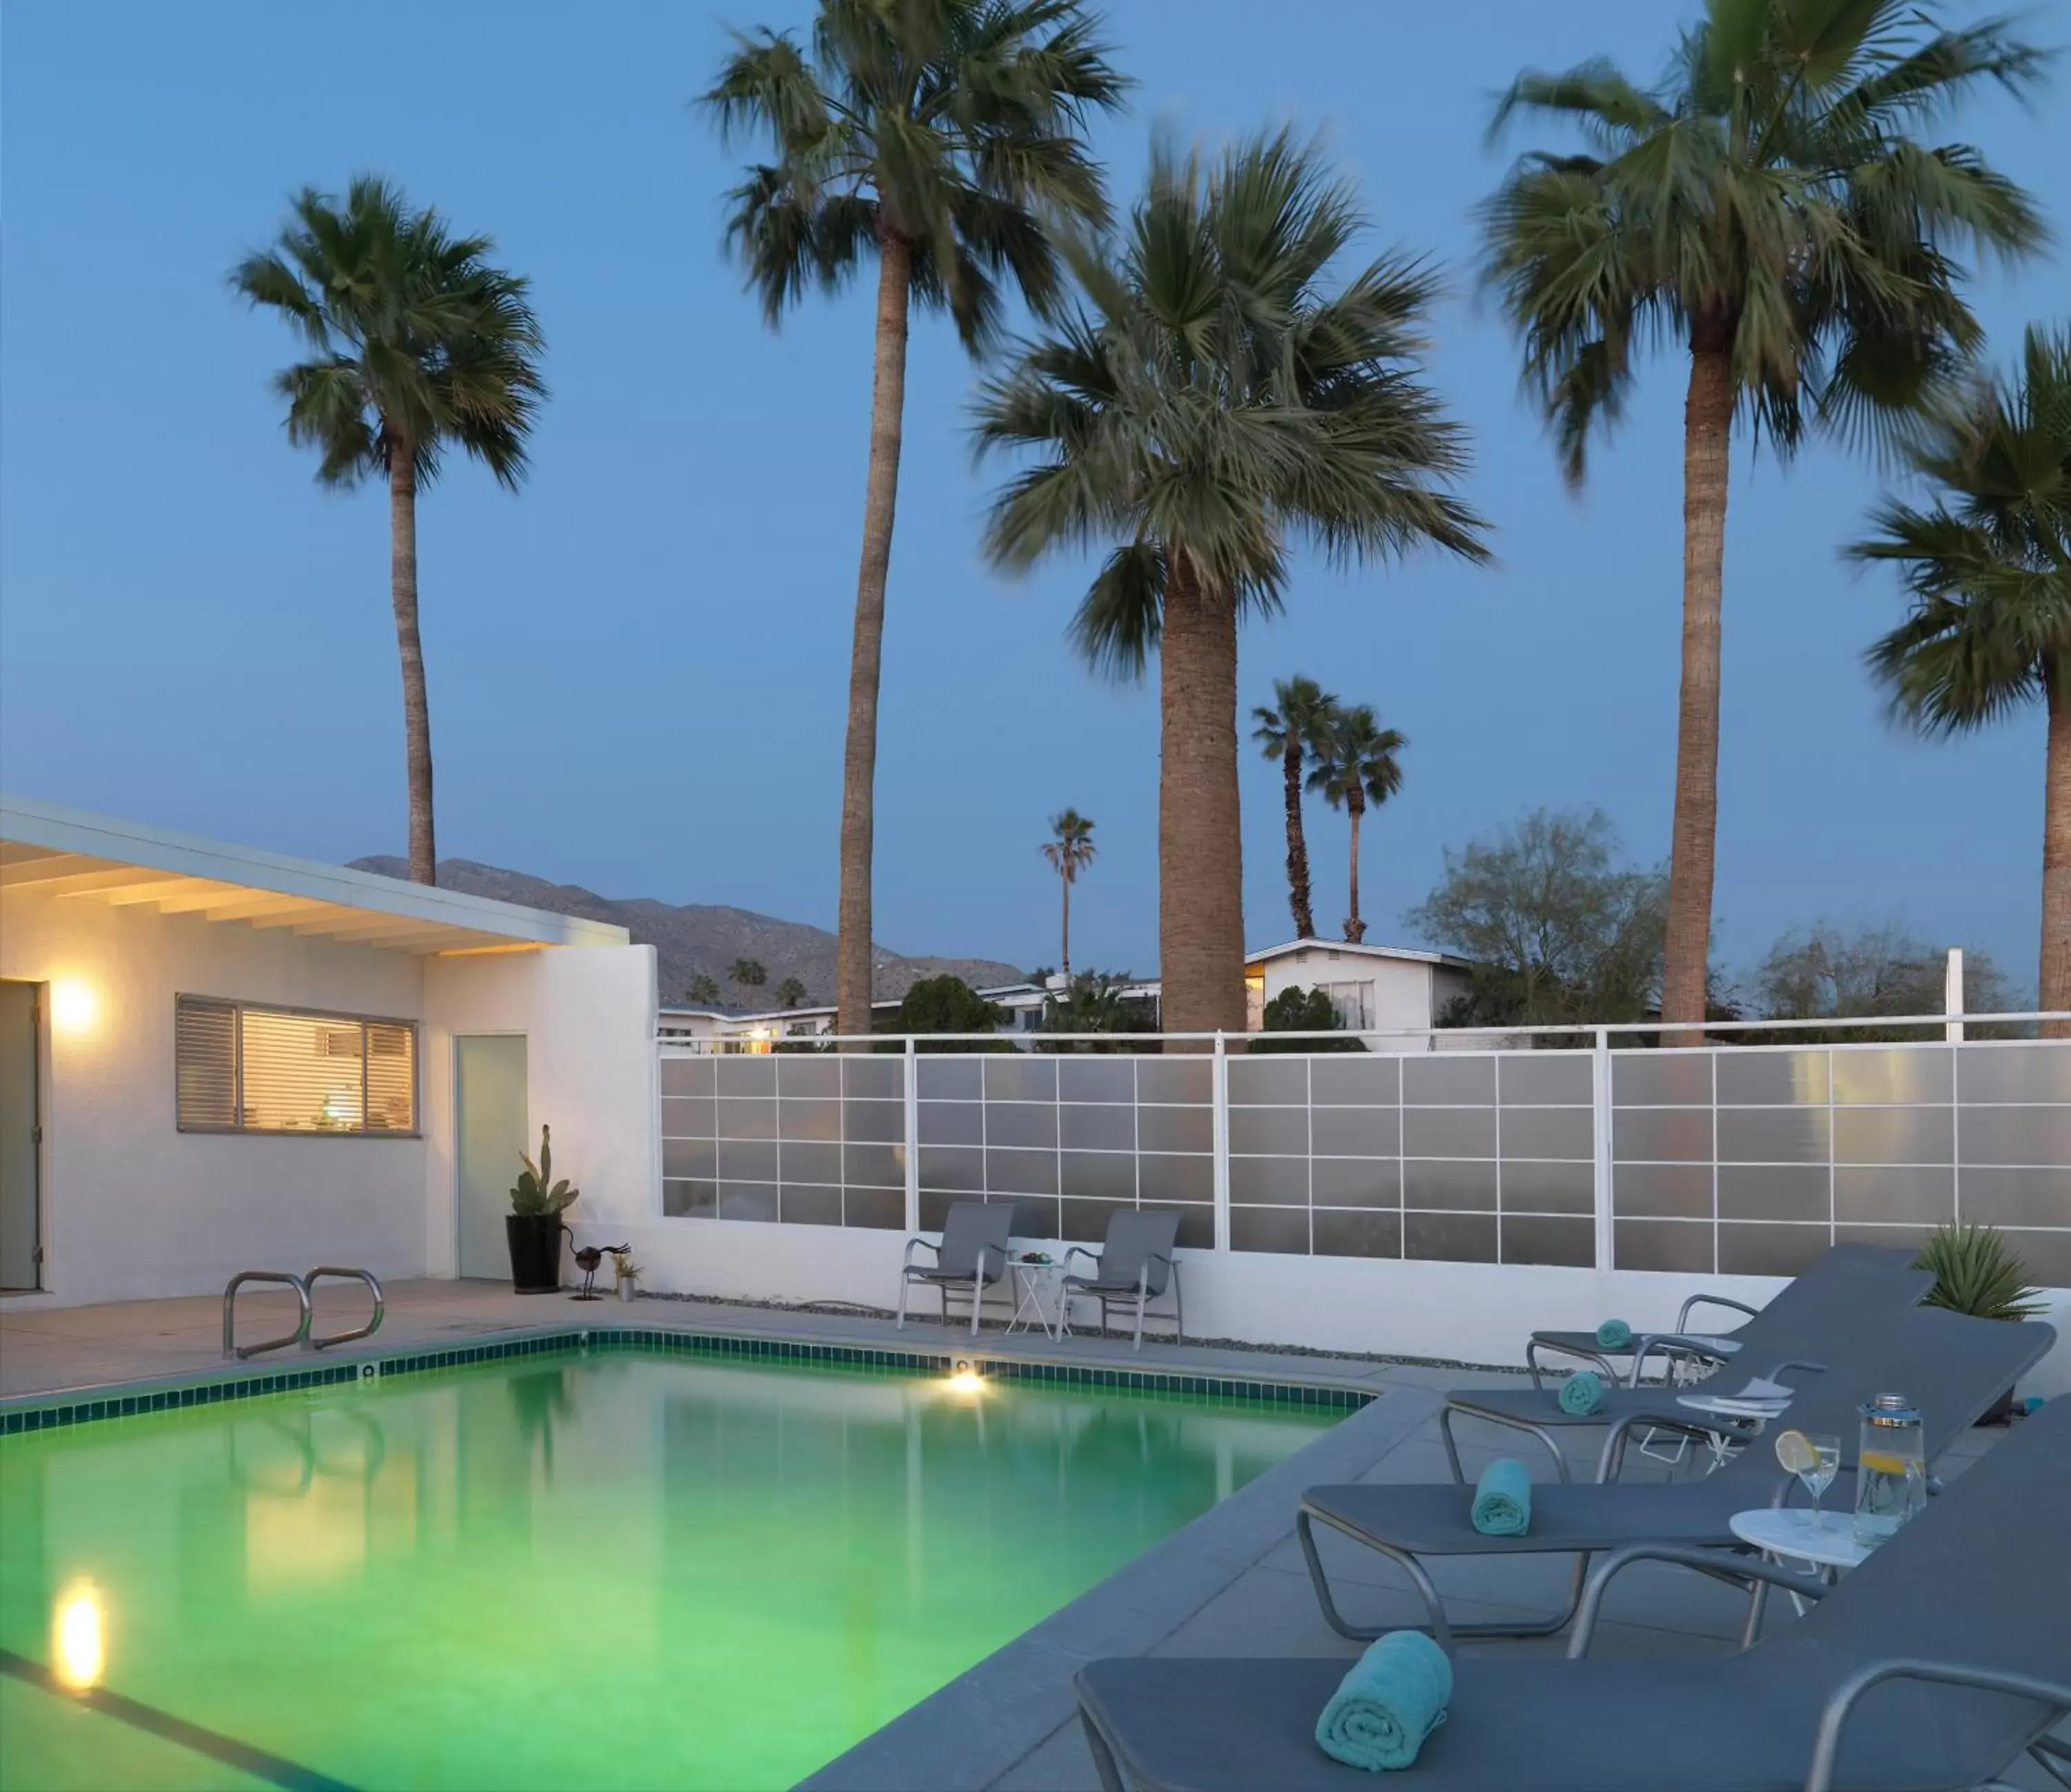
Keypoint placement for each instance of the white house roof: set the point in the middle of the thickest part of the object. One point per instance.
(54, 853)
(1346, 948)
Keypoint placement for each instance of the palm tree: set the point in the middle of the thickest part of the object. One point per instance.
(1356, 763)
(703, 987)
(1224, 393)
(416, 345)
(748, 973)
(938, 137)
(1989, 568)
(790, 993)
(1070, 849)
(1766, 212)
(1285, 732)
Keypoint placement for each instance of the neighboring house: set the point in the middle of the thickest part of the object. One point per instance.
(213, 1058)
(1377, 988)
(1374, 988)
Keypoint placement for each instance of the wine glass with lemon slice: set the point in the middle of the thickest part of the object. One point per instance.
(1814, 1457)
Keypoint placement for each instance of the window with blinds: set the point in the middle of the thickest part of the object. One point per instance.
(244, 1070)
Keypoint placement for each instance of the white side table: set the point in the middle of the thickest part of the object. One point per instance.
(1039, 1303)
(1826, 1540)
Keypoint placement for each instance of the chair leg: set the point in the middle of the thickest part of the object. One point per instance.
(978, 1296)
(1139, 1345)
(1104, 1761)
(1179, 1310)
(899, 1324)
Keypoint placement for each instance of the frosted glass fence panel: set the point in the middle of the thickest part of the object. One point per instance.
(1752, 1160)
(1466, 1158)
(818, 1140)
(1068, 1140)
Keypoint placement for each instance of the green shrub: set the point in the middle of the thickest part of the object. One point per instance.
(1976, 1272)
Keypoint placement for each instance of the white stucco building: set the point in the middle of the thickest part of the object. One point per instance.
(215, 1058)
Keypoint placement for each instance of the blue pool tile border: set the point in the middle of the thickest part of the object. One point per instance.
(30, 1416)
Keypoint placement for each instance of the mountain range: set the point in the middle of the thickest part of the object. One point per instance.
(693, 938)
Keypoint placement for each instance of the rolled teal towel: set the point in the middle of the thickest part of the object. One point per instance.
(1581, 1393)
(1394, 1697)
(1502, 1499)
(1613, 1335)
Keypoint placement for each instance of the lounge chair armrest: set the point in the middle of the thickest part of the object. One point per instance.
(928, 1244)
(1811, 1367)
(1669, 1343)
(1509, 1420)
(1833, 1720)
(1610, 1459)
(999, 1250)
(1720, 1564)
(1696, 1300)
(1080, 1250)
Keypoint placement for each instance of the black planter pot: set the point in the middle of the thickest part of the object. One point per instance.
(535, 1252)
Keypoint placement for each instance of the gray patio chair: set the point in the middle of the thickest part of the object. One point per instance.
(1851, 1295)
(1133, 1268)
(1954, 1367)
(1929, 1668)
(970, 1258)
(1789, 1325)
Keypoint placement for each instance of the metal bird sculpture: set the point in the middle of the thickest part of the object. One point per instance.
(589, 1259)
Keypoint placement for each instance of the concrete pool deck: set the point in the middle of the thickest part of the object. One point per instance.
(1232, 1583)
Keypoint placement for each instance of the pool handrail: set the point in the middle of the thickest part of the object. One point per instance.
(231, 1349)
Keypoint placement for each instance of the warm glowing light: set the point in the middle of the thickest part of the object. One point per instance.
(72, 1007)
(966, 1381)
(79, 1636)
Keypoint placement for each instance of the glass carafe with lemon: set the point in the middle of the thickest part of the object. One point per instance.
(1891, 1468)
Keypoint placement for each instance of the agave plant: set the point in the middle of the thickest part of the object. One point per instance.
(1975, 1272)
(536, 1192)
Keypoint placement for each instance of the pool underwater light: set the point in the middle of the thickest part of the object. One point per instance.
(79, 1637)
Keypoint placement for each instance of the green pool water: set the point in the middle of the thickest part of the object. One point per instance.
(564, 1572)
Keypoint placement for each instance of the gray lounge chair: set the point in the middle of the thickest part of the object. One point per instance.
(970, 1258)
(1955, 1367)
(1853, 1292)
(1133, 1268)
(1780, 1330)
(1931, 1668)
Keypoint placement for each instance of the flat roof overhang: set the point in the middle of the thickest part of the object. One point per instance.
(52, 853)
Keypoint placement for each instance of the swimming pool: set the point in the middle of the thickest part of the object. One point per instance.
(576, 1568)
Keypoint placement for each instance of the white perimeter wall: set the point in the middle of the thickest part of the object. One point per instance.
(132, 1207)
(1461, 1312)
(588, 1016)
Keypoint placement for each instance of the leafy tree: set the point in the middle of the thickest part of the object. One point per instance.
(1988, 566)
(936, 138)
(702, 987)
(1299, 1010)
(1828, 970)
(946, 1004)
(1225, 393)
(748, 973)
(1356, 763)
(1765, 212)
(416, 345)
(1094, 1001)
(1558, 931)
(1070, 849)
(1286, 732)
(790, 993)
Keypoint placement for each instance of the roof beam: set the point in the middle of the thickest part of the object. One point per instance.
(309, 910)
(209, 898)
(75, 882)
(351, 926)
(159, 888)
(250, 906)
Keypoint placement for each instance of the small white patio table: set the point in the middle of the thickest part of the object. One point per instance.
(1826, 1540)
(1040, 1303)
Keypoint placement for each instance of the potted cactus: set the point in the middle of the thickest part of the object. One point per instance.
(625, 1272)
(534, 1225)
(1978, 1272)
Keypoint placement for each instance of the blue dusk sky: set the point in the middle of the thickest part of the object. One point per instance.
(638, 666)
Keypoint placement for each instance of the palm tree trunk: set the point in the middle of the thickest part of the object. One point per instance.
(1355, 927)
(1065, 959)
(410, 650)
(1708, 420)
(1298, 845)
(887, 405)
(2056, 979)
(1200, 868)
